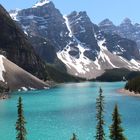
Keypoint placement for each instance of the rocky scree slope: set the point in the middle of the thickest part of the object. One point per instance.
(12, 77)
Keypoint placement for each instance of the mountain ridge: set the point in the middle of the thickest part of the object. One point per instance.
(84, 48)
(126, 29)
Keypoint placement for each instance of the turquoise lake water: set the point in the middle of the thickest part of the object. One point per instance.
(56, 113)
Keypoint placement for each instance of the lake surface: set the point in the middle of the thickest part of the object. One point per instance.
(56, 113)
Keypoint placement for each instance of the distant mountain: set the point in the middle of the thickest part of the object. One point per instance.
(85, 49)
(107, 26)
(12, 77)
(126, 29)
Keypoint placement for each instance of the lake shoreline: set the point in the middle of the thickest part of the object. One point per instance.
(4, 96)
(127, 92)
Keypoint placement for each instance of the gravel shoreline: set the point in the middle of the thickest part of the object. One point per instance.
(128, 93)
(4, 96)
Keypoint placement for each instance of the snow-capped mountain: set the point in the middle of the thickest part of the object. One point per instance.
(84, 48)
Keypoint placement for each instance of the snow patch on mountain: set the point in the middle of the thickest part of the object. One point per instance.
(68, 26)
(24, 88)
(102, 54)
(25, 29)
(96, 62)
(137, 64)
(132, 64)
(14, 14)
(2, 69)
(124, 60)
(80, 44)
(80, 64)
(41, 3)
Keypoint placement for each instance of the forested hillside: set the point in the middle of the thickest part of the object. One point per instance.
(133, 85)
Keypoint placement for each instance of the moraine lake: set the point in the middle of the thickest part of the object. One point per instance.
(56, 113)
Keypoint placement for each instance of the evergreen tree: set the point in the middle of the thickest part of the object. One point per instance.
(20, 124)
(116, 131)
(100, 135)
(74, 137)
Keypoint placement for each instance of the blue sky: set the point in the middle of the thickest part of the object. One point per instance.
(116, 10)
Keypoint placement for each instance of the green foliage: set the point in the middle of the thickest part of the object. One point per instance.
(74, 137)
(100, 135)
(113, 75)
(133, 85)
(132, 75)
(116, 131)
(20, 124)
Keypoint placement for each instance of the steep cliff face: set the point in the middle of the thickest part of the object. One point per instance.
(107, 25)
(83, 30)
(45, 21)
(16, 47)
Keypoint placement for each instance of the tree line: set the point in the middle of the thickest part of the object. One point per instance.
(116, 130)
(133, 85)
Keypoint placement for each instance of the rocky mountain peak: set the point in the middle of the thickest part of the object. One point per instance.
(80, 18)
(106, 22)
(76, 14)
(126, 30)
(107, 26)
(43, 9)
(126, 21)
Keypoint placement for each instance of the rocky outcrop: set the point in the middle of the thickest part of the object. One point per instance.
(44, 21)
(107, 26)
(16, 47)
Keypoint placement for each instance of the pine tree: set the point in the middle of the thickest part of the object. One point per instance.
(20, 124)
(74, 137)
(116, 131)
(100, 135)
